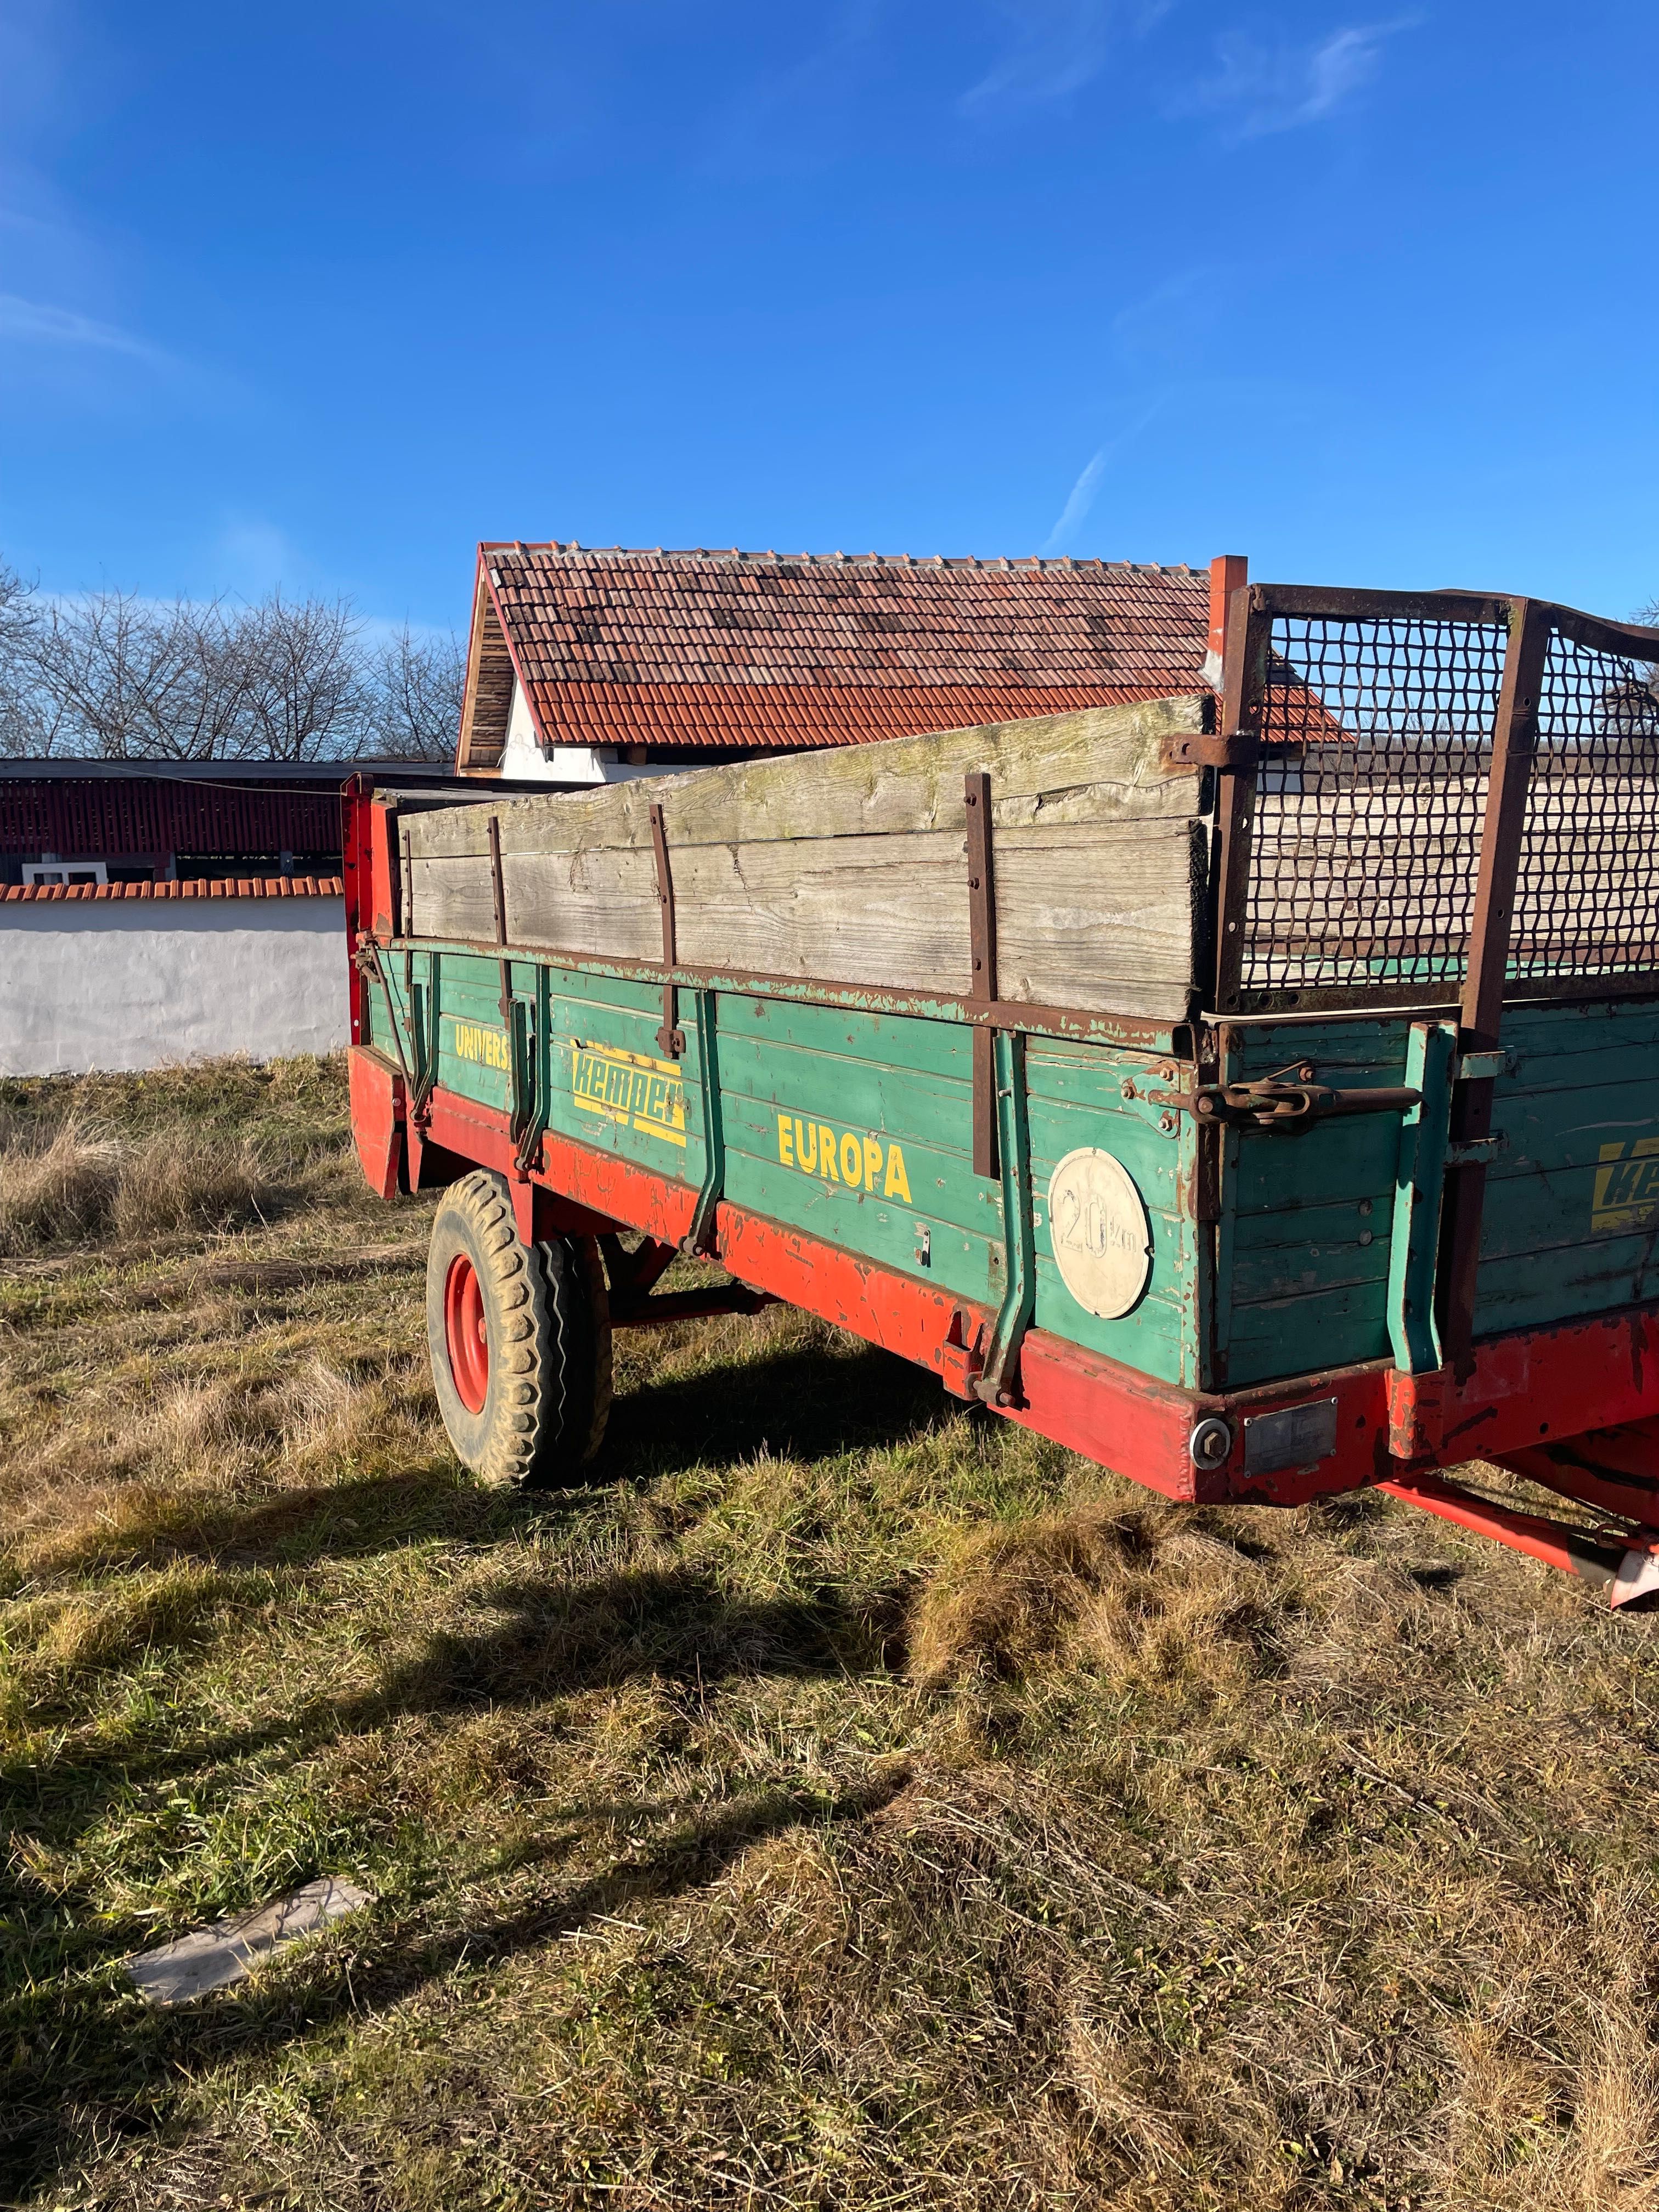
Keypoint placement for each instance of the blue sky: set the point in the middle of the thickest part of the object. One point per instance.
(321, 294)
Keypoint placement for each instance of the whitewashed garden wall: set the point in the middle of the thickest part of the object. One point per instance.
(139, 975)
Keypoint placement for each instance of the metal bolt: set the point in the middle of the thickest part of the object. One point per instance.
(1210, 1442)
(1127, 1088)
(1166, 1122)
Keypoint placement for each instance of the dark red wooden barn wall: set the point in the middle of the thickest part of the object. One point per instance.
(109, 817)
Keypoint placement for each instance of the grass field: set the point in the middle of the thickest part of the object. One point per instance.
(845, 1801)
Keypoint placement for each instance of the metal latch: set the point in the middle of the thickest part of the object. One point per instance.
(1275, 1104)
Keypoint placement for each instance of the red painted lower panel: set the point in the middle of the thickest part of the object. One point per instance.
(888, 1310)
(376, 1116)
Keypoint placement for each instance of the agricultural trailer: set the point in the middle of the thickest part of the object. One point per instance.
(1256, 1090)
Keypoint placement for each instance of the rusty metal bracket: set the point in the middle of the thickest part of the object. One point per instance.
(1198, 749)
(671, 1037)
(982, 984)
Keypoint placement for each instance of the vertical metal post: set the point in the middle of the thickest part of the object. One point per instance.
(982, 983)
(1229, 573)
(997, 1382)
(671, 1037)
(1515, 741)
(500, 893)
(1249, 628)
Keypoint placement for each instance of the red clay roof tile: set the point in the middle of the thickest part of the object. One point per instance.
(752, 651)
(192, 887)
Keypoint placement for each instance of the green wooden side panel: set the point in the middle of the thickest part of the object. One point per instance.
(608, 1084)
(1571, 1222)
(855, 1126)
(1074, 1100)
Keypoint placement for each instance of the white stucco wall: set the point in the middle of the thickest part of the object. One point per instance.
(136, 983)
(525, 762)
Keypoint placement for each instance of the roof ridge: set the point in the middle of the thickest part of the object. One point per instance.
(521, 547)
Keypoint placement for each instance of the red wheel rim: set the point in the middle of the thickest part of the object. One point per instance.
(467, 1339)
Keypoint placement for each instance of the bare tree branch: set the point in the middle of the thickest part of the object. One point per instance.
(116, 677)
(306, 696)
(418, 682)
(120, 679)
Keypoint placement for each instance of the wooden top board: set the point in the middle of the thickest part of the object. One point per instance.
(850, 866)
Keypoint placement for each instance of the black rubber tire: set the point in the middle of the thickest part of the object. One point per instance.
(547, 1319)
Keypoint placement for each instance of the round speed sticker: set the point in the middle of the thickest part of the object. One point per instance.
(1102, 1237)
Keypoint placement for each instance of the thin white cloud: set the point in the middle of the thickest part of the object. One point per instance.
(34, 322)
(1270, 87)
(1058, 46)
(258, 557)
(1079, 501)
(1081, 496)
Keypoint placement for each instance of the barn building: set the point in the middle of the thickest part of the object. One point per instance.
(589, 667)
(91, 821)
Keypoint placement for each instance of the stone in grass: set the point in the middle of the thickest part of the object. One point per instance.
(213, 1957)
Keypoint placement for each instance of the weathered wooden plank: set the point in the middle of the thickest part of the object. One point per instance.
(1098, 764)
(1100, 917)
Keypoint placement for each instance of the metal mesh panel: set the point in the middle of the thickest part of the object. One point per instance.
(1365, 842)
(1587, 897)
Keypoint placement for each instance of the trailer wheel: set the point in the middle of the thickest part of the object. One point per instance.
(520, 1339)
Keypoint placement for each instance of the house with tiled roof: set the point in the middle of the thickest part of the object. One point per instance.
(589, 665)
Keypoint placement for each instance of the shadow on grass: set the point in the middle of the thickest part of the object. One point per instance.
(797, 1404)
(89, 2061)
(85, 2055)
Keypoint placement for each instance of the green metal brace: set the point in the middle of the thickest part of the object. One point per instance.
(995, 1382)
(1433, 1068)
(700, 1238)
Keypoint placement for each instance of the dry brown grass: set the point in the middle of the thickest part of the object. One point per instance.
(59, 1185)
(845, 1803)
(72, 1182)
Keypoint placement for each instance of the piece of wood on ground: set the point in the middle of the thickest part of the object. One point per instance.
(214, 1957)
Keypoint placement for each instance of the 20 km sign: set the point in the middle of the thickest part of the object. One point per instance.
(1101, 1233)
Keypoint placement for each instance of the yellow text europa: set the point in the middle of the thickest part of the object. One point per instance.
(859, 1161)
